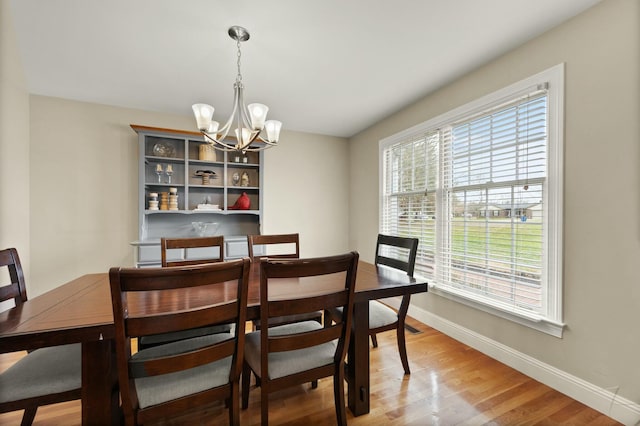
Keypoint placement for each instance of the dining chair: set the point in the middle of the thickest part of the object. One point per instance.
(167, 380)
(44, 376)
(214, 249)
(398, 253)
(296, 353)
(288, 246)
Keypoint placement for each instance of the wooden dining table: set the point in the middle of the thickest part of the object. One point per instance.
(80, 311)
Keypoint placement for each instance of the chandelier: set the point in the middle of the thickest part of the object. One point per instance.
(253, 132)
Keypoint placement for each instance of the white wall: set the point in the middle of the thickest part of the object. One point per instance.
(601, 50)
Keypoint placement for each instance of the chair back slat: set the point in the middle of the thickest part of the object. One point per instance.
(175, 277)
(289, 242)
(304, 340)
(308, 304)
(175, 363)
(171, 322)
(212, 244)
(397, 252)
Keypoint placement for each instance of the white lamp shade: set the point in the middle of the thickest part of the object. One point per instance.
(273, 130)
(258, 114)
(212, 131)
(245, 138)
(204, 115)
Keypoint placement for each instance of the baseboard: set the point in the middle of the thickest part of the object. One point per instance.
(605, 401)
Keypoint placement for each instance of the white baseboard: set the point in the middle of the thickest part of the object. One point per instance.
(609, 403)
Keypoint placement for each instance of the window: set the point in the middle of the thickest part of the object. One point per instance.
(481, 187)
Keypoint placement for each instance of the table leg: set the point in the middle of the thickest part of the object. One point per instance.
(100, 397)
(358, 361)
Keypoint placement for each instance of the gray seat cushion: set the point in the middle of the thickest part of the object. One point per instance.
(286, 363)
(44, 371)
(379, 314)
(157, 389)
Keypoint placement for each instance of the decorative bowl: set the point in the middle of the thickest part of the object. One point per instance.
(164, 150)
(205, 229)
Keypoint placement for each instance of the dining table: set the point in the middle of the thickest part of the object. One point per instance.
(79, 311)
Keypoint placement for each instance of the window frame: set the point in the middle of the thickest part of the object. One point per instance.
(551, 320)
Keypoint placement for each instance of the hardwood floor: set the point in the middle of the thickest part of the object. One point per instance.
(450, 384)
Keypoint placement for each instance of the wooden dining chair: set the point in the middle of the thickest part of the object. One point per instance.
(289, 248)
(44, 376)
(213, 247)
(398, 253)
(293, 354)
(167, 380)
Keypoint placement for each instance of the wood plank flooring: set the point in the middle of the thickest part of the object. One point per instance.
(450, 384)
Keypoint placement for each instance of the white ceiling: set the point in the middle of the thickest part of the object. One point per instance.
(323, 66)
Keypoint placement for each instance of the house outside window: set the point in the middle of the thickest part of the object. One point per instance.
(481, 187)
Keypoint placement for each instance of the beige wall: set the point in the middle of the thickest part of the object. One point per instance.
(84, 188)
(306, 182)
(14, 143)
(601, 50)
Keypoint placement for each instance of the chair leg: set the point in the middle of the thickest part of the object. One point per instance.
(402, 348)
(374, 340)
(234, 409)
(264, 406)
(314, 384)
(28, 416)
(246, 379)
(338, 395)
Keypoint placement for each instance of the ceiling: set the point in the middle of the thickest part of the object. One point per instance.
(333, 67)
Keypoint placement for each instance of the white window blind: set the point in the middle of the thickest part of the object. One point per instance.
(496, 164)
(409, 207)
(481, 188)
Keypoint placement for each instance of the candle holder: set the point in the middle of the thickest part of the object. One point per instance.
(159, 172)
(169, 172)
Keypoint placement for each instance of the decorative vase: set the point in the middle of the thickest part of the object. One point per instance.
(207, 152)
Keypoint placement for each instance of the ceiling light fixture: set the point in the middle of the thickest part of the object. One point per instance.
(250, 121)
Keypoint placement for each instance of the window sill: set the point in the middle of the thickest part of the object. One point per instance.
(534, 321)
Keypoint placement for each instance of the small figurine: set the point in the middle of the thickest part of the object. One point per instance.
(242, 203)
(235, 179)
(244, 180)
(206, 175)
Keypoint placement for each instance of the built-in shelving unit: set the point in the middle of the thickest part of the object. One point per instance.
(175, 161)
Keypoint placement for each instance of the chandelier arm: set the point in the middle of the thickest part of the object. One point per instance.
(244, 121)
(258, 148)
(227, 126)
(244, 113)
(261, 139)
(218, 144)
